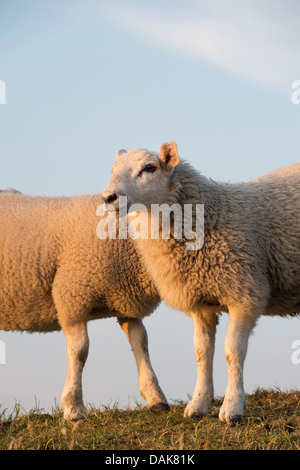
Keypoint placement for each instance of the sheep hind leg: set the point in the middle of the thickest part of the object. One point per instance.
(77, 349)
(149, 387)
(236, 342)
(204, 345)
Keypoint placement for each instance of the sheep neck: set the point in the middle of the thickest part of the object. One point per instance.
(167, 260)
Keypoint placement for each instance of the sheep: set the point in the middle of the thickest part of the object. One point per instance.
(56, 274)
(248, 266)
(10, 190)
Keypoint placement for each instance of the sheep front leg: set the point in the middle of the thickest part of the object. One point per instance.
(204, 341)
(236, 343)
(148, 383)
(77, 349)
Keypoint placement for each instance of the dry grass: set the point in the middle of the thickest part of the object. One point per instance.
(271, 422)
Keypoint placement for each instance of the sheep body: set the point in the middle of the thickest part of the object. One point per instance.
(56, 274)
(49, 248)
(251, 249)
(249, 264)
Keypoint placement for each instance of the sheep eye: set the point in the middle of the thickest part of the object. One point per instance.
(149, 168)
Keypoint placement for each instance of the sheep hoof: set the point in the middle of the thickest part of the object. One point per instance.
(232, 413)
(74, 415)
(231, 420)
(194, 416)
(159, 407)
(79, 418)
(235, 420)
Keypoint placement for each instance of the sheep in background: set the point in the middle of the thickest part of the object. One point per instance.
(10, 190)
(249, 264)
(56, 274)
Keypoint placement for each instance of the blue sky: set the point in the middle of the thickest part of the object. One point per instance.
(86, 78)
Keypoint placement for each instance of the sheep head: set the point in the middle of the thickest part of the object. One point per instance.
(141, 175)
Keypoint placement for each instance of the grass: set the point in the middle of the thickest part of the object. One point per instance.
(271, 422)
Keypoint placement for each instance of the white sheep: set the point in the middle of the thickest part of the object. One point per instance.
(249, 264)
(57, 274)
(10, 190)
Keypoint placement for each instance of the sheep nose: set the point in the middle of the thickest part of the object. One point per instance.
(111, 198)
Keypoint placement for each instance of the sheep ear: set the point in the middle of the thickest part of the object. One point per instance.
(120, 152)
(168, 154)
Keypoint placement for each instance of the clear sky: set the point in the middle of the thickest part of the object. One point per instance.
(84, 78)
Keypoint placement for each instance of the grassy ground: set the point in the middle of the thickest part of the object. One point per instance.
(271, 421)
